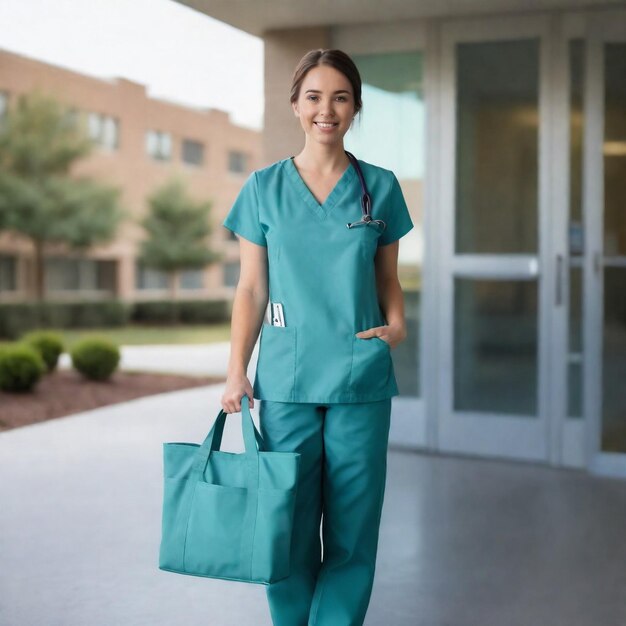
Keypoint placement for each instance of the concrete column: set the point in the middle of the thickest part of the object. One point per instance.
(282, 133)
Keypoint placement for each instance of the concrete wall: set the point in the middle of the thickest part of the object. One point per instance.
(283, 136)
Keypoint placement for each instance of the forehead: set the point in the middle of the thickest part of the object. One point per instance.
(325, 78)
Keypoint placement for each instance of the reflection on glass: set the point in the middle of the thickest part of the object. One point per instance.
(614, 336)
(576, 52)
(495, 346)
(497, 147)
(390, 133)
(576, 234)
(574, 380)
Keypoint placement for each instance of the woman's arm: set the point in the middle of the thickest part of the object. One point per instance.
(390, 297)
(249, 307)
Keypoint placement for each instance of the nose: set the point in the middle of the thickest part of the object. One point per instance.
(327, 108)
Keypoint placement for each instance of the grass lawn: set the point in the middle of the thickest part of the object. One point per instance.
(145, 335)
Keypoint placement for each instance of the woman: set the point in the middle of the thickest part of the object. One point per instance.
(324, 371)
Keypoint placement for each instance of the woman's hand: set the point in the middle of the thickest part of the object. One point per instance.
(237, 386)
(393, 334)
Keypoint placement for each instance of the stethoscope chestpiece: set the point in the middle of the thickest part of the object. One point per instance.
(367, 221)
(366, 200)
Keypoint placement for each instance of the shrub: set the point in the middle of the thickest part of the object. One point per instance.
(189, 311)
(21, 367)
(95, 357)
(18, 318)
(49, 344)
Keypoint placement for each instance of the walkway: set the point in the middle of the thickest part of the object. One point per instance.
(464, 542)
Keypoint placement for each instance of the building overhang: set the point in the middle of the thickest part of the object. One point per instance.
(257, 17)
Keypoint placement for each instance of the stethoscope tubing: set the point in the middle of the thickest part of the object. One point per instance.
(366, 199)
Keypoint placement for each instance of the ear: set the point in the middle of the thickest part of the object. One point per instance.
(294, 106)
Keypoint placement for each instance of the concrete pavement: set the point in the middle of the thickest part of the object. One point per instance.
(209, 359)
(464, 542)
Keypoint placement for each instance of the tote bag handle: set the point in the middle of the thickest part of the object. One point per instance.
(219, 430)
(250, 437)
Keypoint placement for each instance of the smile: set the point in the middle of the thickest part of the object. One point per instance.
(326, 124)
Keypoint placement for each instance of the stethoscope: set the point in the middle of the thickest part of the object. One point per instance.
(366, 200)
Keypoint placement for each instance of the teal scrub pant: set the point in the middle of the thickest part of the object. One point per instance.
(342, 475)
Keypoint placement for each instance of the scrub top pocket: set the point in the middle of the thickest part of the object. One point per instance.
(371, 371)
(369, 236)
(276, 366)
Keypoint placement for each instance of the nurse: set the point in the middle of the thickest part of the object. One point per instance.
(324, 372)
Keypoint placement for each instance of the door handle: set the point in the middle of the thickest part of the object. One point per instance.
(597, 263)
(558, 295)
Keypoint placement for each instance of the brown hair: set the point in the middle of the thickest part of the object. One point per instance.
(333, 58)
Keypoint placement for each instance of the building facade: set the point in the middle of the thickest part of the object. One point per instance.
(507, 131)
(140, 142)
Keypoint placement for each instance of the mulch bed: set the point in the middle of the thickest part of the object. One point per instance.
(65, 391)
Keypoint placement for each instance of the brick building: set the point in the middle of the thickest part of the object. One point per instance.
(140, 142)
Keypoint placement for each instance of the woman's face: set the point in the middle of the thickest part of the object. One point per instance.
(325, 96)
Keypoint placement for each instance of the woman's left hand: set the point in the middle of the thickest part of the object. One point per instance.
(393, 334)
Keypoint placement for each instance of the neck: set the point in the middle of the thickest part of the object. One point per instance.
(323, 158)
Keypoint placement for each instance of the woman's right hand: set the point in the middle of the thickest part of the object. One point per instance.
(236, 387)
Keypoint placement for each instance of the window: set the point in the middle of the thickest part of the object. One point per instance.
(71, 117)
(103, 130)
(237, 162)
(159, 145)
(149, 277)
(192, 279)
(231, 273)
(65, 274)
(193, 152)
(4, 103)
(7, 273)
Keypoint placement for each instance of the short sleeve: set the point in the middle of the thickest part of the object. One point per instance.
(398, 218)
(243, 217)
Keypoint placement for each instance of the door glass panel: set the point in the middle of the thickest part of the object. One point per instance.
(497, 147)
(575, 398)
(614, 339)
(576, 233)
(495, 346)
(393, 92)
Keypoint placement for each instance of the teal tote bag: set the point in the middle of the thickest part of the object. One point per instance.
(228, 515)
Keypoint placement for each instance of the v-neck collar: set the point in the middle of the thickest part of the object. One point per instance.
(323, 209)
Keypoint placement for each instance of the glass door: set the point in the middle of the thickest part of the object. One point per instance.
(494, 281)
(605, 226)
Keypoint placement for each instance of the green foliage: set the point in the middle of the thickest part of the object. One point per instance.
(21, 367)
(177, 228)
(18, 318)
(36, 139)
(189, 311)
(39, 199)
(49, 345)
(95, 358)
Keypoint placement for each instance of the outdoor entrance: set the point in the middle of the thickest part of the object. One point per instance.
(533, 260)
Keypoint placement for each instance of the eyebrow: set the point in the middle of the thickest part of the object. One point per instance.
(318, 91)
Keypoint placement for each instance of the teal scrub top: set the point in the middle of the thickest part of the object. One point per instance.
(324, 276)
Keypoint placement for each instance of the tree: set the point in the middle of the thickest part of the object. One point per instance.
(39, 198)
(177, 229)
